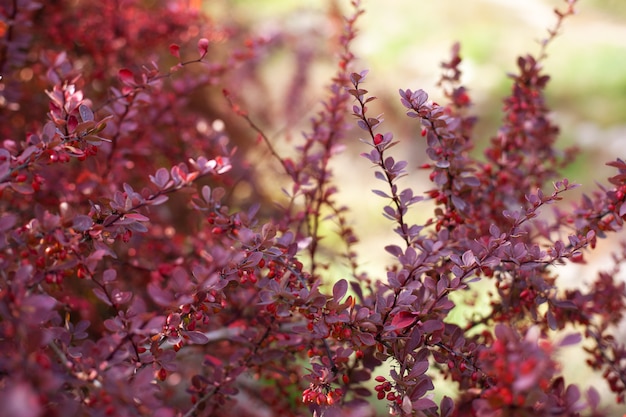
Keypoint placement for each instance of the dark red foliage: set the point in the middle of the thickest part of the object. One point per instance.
(136, 278)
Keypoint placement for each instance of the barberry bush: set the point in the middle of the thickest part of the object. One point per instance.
(149, 266)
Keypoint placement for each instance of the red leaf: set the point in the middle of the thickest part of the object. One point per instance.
(126, 76)
(403, 319)
(72, 122)
(203, 47)
(175, 50)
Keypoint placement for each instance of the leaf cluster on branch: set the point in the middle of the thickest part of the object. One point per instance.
(136, 278)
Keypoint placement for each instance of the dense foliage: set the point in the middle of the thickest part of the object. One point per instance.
(137, 278)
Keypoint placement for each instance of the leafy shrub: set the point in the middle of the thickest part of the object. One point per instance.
(137, 278)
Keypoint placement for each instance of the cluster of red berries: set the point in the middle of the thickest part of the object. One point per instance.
(321, 395)
(517, 373)
(385, 390)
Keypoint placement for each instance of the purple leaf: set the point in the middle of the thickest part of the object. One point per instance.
(418, 369)
(423, 403)
(20, 399)
(394, 250)
(160, 178)
(593, 398)
(551, 320)
(572, 394)
(114, 325)
(471, 181)
(366, 339)
(431, 326)
(197, 338)
(109, 275)
(570, 339)
(381, 193)
(82, 223)
(102, 296)
(468, 258)
(446, 407)
(121, 297)
(7, 221)
(252, 260)
(339, 289)
(159, 199)
(459, 203)
(85, 113)
(160, 296)
(36, 309)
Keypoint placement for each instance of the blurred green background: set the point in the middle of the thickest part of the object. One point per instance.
(402, 43)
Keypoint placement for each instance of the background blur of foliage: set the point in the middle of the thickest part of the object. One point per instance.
(402, 43)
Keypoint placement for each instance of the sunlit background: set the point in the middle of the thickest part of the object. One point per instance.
(402, 43)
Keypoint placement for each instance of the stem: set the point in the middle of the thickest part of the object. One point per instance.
(381, 151)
